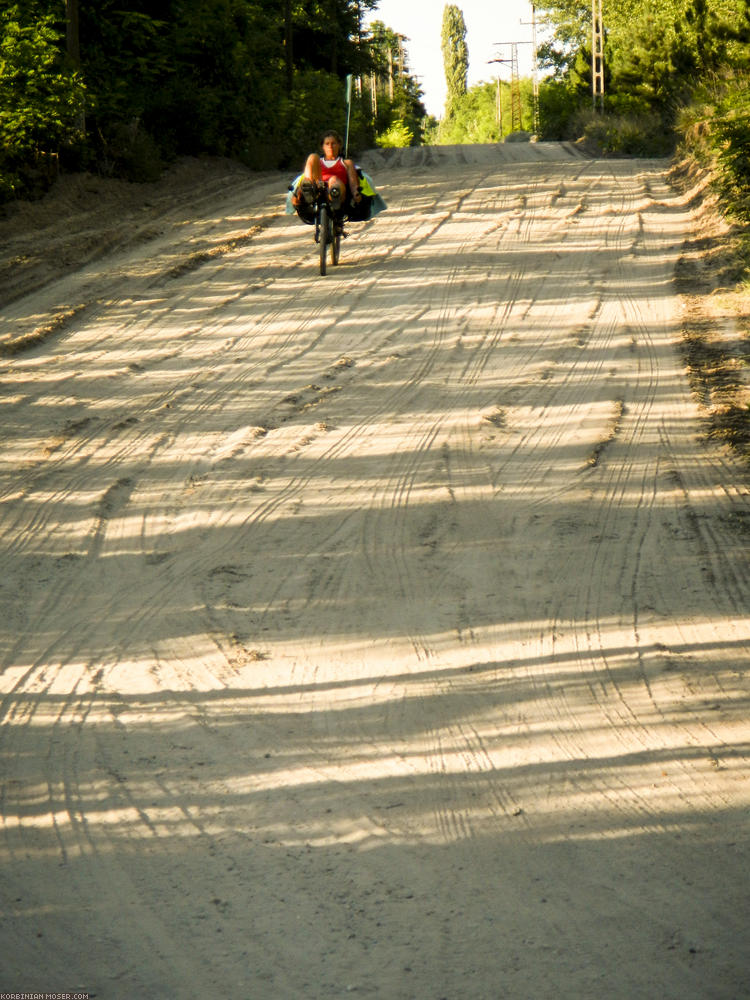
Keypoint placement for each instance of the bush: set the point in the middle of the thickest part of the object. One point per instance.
(41, 102)
(316, 103)
(558, 103)
(715, 131)
(132, 154)
(397, 136)
(621, 135)
(731, 139)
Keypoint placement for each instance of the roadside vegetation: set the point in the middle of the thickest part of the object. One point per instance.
(121, 88)
(676, 81)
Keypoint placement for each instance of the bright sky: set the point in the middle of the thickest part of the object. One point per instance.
(487, 22)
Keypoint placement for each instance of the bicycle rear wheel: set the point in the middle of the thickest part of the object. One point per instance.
(324, 234)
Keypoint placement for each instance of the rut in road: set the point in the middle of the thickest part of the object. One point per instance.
(382, 633)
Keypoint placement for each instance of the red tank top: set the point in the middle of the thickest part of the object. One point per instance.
(334, 168)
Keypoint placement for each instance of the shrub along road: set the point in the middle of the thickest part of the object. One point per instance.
(379, 634)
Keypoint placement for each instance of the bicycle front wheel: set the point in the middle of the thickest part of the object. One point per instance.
(336, 242)
(324, 236)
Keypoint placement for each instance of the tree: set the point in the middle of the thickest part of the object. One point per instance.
(40, 98)
(395, 95)
(455, 56)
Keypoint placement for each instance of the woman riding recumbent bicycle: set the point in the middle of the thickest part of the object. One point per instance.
(332, 190)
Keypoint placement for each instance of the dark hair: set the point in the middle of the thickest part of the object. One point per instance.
(333, 134)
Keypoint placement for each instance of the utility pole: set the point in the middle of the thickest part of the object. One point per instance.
(515, 85)
(535, 67)
(597, 55)
(499, 111)
(515, 90)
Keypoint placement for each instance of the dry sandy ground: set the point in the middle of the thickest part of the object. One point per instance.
(382, 634)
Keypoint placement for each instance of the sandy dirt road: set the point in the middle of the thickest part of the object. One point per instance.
(382, 634)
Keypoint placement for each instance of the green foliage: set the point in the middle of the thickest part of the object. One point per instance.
(393, 93)
(259, 79)
(455, 55)
(407, 107)
(316, 103)
(431, 132)
(658, 56)
(322, 33)
(731, 129)
(131, 153)
(208, 74)
(484, 114)
(558, 105)
(610, 134)
(716, 131)
(398, 135)
(41, 100)
(253, 79)
(473, 117)
(570, 21)
(655, 50)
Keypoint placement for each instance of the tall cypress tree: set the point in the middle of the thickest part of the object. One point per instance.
(455, 55)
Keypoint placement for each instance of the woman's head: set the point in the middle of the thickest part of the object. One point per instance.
(331, 142)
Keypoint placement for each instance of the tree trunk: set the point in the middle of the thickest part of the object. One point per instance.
(72, 40)
(288, 46)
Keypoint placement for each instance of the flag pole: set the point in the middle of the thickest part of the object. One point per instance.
(348, 112)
